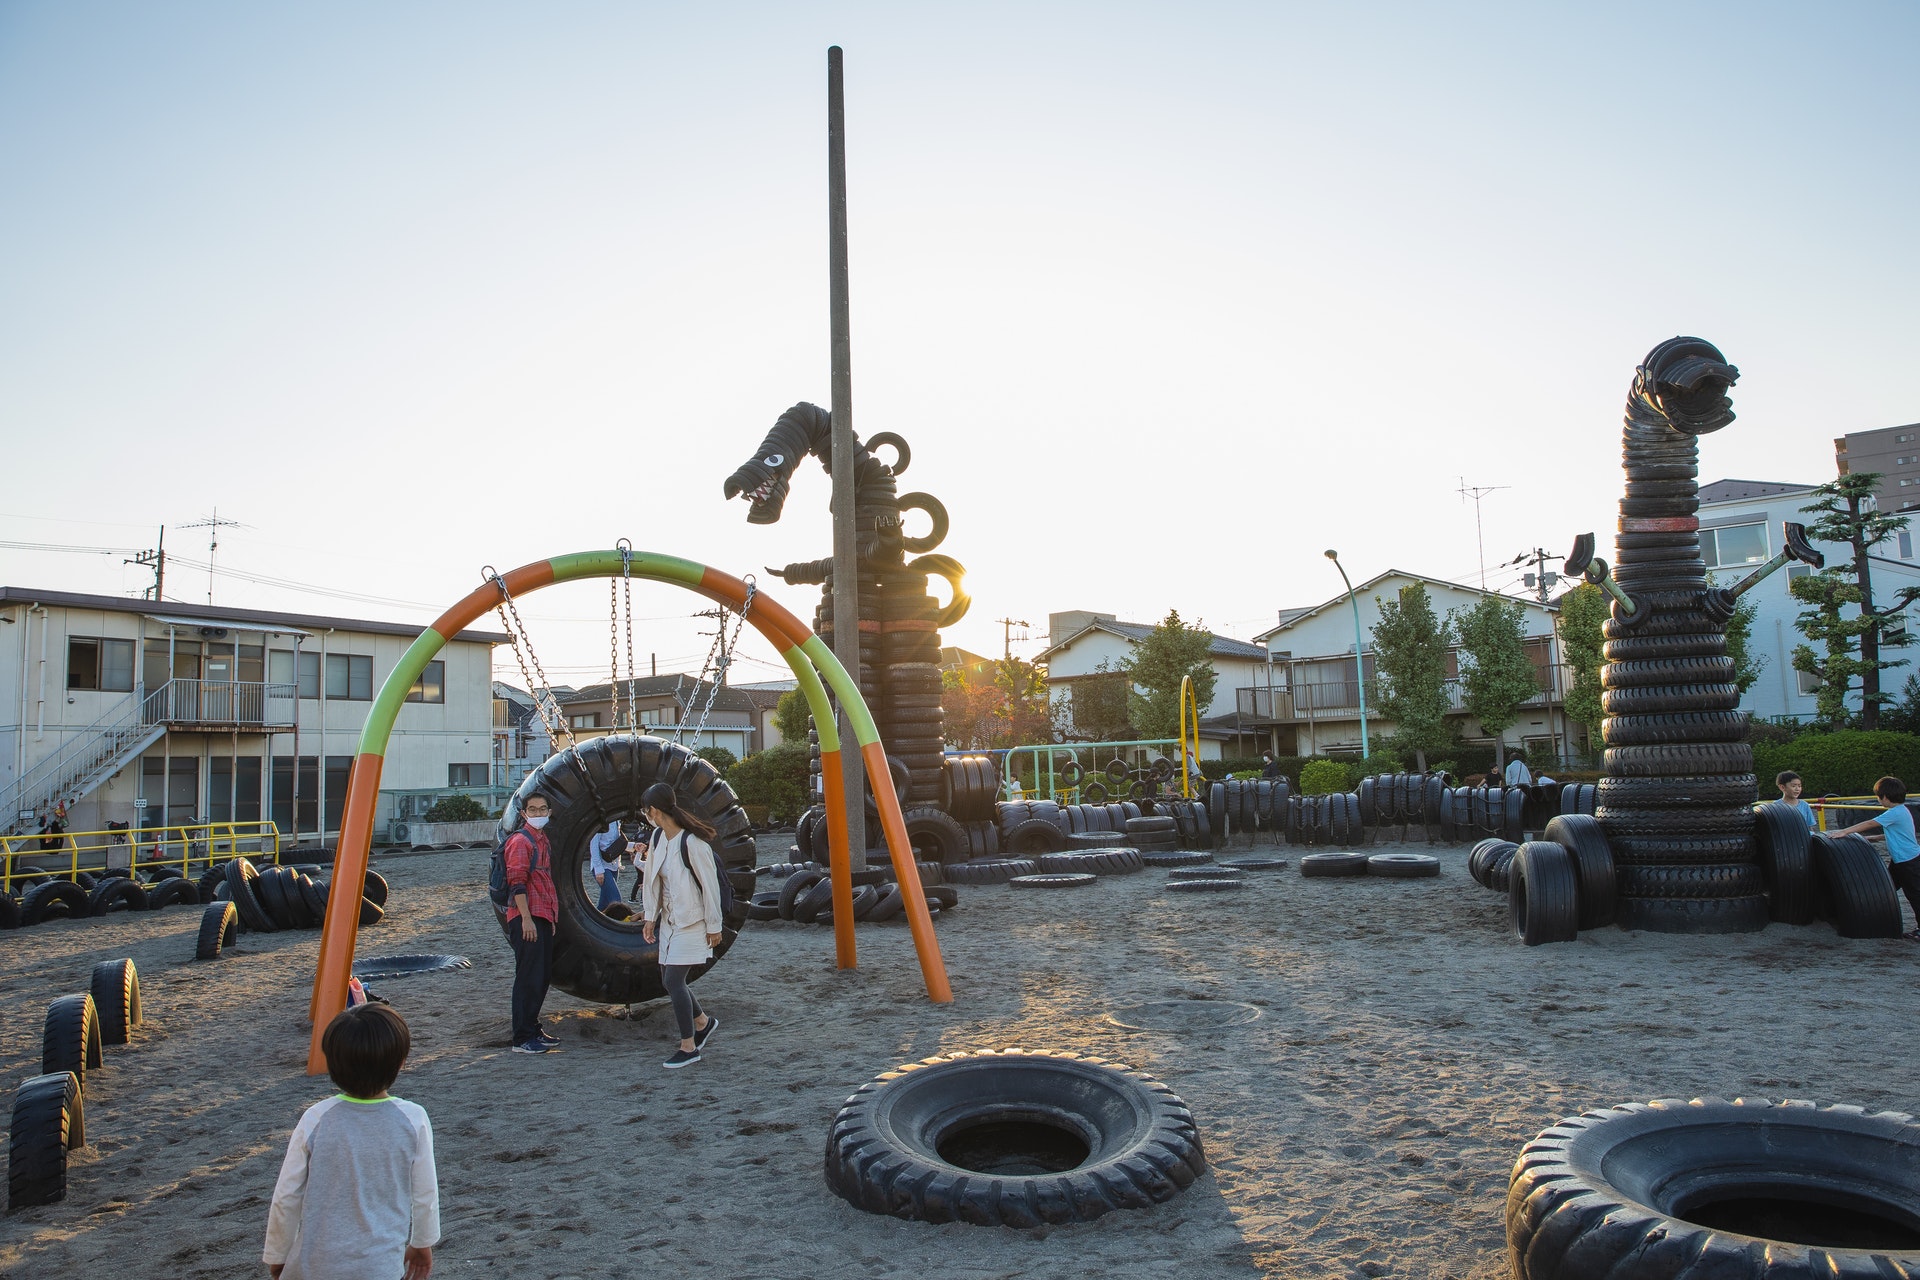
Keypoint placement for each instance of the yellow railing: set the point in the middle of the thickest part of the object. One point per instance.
(1848, 809)
(188, 849)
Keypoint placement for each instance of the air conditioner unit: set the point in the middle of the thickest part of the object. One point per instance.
(398, 832)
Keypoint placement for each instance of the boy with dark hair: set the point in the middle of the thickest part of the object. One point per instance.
(1895, 821)
(1790, 787)
(358, 1198)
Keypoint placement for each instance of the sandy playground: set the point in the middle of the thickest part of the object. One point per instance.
(1362, 1124)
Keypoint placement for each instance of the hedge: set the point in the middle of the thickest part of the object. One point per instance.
(1321, 777)
(1844, 763)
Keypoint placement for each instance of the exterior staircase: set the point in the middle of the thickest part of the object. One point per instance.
(85, 760)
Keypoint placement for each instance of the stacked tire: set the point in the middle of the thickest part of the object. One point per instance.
(1401, 799)
(274, 900)
(1490, 809)
(49, 1113)
(1326, 821)
(1676, 799)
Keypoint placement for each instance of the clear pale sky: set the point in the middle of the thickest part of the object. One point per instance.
(1167, 299)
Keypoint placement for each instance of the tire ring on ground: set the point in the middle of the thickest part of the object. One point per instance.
(1333, 864)
(240, 878)
(893, 1146)
(219, 925)
(1213, 884)
(1204, 873)
(1403, 866)
(1187, 858)
(406, 966)
(1255, 862)
(1054, 880)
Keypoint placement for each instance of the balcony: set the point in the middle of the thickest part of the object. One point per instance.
(220, 704)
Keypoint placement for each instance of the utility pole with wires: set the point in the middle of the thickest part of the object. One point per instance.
(1006, 630)
(724, 659)
(213, 524)
(155, 560)
(1541, 581)
(1477, 492)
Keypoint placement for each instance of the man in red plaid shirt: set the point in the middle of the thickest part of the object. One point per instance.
(532, 910)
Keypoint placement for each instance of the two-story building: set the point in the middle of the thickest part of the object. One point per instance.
(697, 712)
(163, 713)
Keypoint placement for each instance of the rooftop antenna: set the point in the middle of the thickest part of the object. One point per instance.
(1477, 492)
(213, 524)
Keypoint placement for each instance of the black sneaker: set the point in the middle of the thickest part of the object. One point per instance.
(533, 1046)
(546, 1037)
(705, 1033)
(682, 1058)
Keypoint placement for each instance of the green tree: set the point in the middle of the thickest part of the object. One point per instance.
(1826, 624)
(1747, 665)
(1410, 658)
(792, 717)
(719, 757)
(1844, 512)
(1496, 675)
(776, 778)
(1171, 652)
(1025, 715)
(1098, 706)
(1583, 616)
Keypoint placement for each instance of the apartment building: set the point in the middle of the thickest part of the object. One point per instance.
(1894, 452)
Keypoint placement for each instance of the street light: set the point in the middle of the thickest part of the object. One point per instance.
(1359, 657)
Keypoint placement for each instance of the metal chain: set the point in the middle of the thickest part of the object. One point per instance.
(613, 649)
(626, 591)
(719, 659)
(544, 703)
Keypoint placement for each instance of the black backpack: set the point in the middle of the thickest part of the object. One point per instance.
(497, 885)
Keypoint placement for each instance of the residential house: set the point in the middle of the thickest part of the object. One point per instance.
(521, 743)
(699, 713)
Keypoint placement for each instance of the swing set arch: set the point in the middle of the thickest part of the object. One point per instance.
(813, 666)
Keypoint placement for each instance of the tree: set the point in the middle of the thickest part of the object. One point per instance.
(719, 757)
(1010, 711)
(1829, 592)
(1583, 616)
(1098, 706)
(1747, 665)
(1844, 512)
(775, 777)
(792, 717)
(1410, 657)
(1171, 652)
(1496, 676)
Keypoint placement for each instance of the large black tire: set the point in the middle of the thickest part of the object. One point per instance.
(1598, 885)
(1053, 880)
(241, 878)
(1484, 854)
(909, 1143)
(313, 893)
(70, 1040)
(935, 836)
(817, 900)
(1691, 759)
(1673, 1188)
(9, 912)
(1543, 894)
(1255, 862)
(1403, 866)
(798, 883)
(219, 925)
(1034, 837)
(53, 900)
(371, 913)
(376, 890)
(1783, 849)
(171, 890)
(116, 895)
(1856, 888)
(1671, 728)
(991, 871)
(49, 1120)
(1208, 884)
(115, 989)
(1333, 864)
(1104, 861)
(210, 880)
(764, 905)
(270, 888)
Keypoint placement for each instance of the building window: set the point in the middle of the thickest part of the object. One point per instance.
(1907, 461)
(233, 789)
(1905, 483)
(350, 677)
(587, 720)
(309, 673)
(100, 664)
(431, 686)
(650, 715)
(467, 775)
(1809, 683)
(1905, 540)
(1738, 544)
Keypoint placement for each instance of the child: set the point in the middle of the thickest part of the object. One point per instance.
(357, 1197)
(1896, 824)
(1790, 788)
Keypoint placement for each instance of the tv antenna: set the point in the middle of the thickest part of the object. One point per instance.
(213, 524)
(1477, 492)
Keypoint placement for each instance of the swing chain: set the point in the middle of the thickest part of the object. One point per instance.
(544, 703)
(720, 658)
(626, 591)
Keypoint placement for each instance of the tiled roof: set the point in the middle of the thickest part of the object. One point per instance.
(688, 690)
(1220, 646)
(214, 615)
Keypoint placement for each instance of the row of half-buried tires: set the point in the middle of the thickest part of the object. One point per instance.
(49, 1111)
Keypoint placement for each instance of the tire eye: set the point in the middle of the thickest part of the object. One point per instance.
(773, 460)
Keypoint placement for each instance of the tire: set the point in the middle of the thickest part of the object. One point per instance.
(1217, 809)
(169, 891)
(764, 905)
(1207, 884)
(1667, 671)
(1692, 880)
(1614, 1193)
(1542, 895)
(889, 904)
(1104, 861)
(240, 881)
(992, 871)
(1403, 866)
(1483, 854)
(1009, 814)
(9, 912)
(314, 894)
(1333, 864)
(1676, 727)
(1673, 792)
(818, 899)
(865, 898)
(1054, 880)
(1369, 811)
(1856, 887)
(49, 1120)
(885, 1148)
(1693, 915)
(935, 511)
(70, 1039)
(376, 890)
(116, 895)
(1143, 826)
(371, 913)
(115, 988)
(1597, 886)
(1117, 770)
(1174, 858)
(1034, 837)
(219, 925)
(210, 880)
(1693, 759)
(1255, 862)
(1783, 850)
(1208, 872)
(53, 900)
(1672, 697)
(795, 885)
(301, 916)
(271, 890)
(1655, 850)
(1722, 823)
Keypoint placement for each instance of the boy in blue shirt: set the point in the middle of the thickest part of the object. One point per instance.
(1790, 788)
(1896, 824)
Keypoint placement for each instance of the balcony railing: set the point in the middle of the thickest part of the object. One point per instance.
(1335, 699)
(244, 704)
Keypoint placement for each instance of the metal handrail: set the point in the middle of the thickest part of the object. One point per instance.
(138, 848)
(248, 703)
(1053, 750)
(52, 774)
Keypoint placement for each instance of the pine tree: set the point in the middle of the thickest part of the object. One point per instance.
(1844, 512)
(1583, 616)
(1410, 658)
(1171, 652)
(1747, 665)
(1829, 592)
(1497, 675)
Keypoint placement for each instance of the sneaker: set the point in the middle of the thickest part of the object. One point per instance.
(545, 1036)
(705, 1033)
(682, 1058)
(533, 1046)
(1911, 935)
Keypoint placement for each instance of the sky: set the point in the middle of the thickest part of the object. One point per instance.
(1167, 299)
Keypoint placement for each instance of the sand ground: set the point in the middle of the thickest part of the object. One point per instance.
(1362, 1125)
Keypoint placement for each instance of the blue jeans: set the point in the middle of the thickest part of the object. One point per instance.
(609, 888)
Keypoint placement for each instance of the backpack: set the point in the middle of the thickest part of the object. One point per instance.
(497, 885)
(719, 874)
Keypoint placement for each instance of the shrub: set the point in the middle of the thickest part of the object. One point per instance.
(719, 757)
(776, 778)
(456, 809)
(1322, 777)
(1383, 761)
(1215, 770)
(1843, 763)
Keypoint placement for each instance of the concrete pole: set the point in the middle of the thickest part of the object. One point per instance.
(846, 585)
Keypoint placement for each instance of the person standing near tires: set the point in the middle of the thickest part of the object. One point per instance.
(1790, 789)
(606, 873)
(1895, 822)
(533, 908)
(680, 906)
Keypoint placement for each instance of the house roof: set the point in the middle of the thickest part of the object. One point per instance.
(684, 689)
(1741, 490)
(1219, 646)
(1290, 616)
(234, 619)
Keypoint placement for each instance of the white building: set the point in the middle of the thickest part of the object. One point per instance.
(163, 713)
(1306, 701)
(1740, 528)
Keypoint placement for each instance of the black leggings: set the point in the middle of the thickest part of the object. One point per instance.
(685, 1007)
(1906, 878)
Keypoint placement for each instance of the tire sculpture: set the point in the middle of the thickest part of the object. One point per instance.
(1676, 799)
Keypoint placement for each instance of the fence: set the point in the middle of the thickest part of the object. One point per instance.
(188, 849)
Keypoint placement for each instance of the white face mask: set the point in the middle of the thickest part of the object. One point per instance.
(537, 823)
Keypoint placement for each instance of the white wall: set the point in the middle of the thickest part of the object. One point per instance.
(1083, 658)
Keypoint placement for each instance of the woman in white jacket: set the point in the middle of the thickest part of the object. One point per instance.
(680, 903)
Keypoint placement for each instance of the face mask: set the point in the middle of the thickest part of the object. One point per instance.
(537, 823)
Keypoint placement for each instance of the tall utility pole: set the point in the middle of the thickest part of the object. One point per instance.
(1540, 581)
(157, 561)
(1006, 630)
(213, 524)
(846, 567)
(1477, 492)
